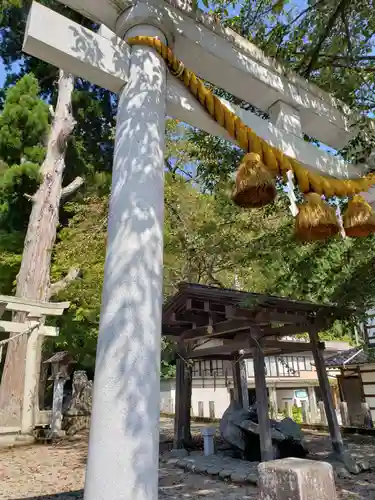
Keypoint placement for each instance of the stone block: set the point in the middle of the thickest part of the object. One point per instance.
(252, 478)
(213, 470)
(225, 474)
(200, 468)
(364, 465)
(178, 453)
(239, 477)
(297, 479)
(182, 463)
(347, 460)
(171, 461)
(190, 466)
(342, 472)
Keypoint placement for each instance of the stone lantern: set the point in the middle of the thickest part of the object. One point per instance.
(61, 363)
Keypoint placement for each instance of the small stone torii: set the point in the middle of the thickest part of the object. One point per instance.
(123, 447)
(35, 329)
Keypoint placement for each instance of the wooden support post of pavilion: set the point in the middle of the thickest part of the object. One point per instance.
(182, 421)
(188, 381)
(178, 415)
(241, 393)
(333, 425)
(266, 448)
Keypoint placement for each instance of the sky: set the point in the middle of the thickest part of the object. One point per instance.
(2, 74)
(297, 3)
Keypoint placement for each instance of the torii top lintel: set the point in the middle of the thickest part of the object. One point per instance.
(214, 53)
(202, 37)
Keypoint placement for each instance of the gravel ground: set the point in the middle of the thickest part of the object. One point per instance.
(56, 472)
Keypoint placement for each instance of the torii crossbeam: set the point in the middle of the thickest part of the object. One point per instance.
(123, 448)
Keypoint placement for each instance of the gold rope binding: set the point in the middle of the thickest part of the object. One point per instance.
(276, 161)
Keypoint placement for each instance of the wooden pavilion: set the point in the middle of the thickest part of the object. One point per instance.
(244, 325)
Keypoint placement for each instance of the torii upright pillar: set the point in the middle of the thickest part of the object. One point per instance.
(124, 434)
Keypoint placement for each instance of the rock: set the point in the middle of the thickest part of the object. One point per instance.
(350, 463)
(172, 461)
(182, 463)
(252, 478)
(364, 465)
(178, 453)
(290, 429)
(238, 477)
(190, 466)
(239, 428)
(229, 430)
(248, 425)
(200, 468)
(77, 414)
(342, 472)
(225, 474)
(214, 470)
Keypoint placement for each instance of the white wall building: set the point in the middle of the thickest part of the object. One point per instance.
(293, 378)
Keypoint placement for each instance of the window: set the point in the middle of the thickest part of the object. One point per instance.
(302, 363)
(309, 362)
(197, 372)
(272, 367)
(288, 366)
(300, 393)
(208, 368)
(250, 368)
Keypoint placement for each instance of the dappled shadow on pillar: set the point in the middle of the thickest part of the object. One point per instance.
(132, 291)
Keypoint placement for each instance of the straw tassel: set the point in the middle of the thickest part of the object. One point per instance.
(255, 184)
(272, 157)
(359, 218)
(316, 220)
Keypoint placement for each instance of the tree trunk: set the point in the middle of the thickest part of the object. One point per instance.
(33, 281)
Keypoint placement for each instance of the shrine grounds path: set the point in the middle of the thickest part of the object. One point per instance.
(56, 472)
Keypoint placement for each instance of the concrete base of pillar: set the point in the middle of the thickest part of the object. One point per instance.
(11, 437)
(296, 478)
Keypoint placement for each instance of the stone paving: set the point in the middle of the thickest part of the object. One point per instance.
(56, 472)
(225, 468)
(242, 472)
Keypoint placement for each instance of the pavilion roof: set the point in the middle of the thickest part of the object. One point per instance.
(230, 319)
(350, 357)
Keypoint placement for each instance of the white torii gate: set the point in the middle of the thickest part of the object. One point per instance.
(123, 448)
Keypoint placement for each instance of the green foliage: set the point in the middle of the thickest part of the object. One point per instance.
(16, 182)
(23, 123)
(297, 414)
(167, 370)
(86, 229)
(11, 246)
(23, 132)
